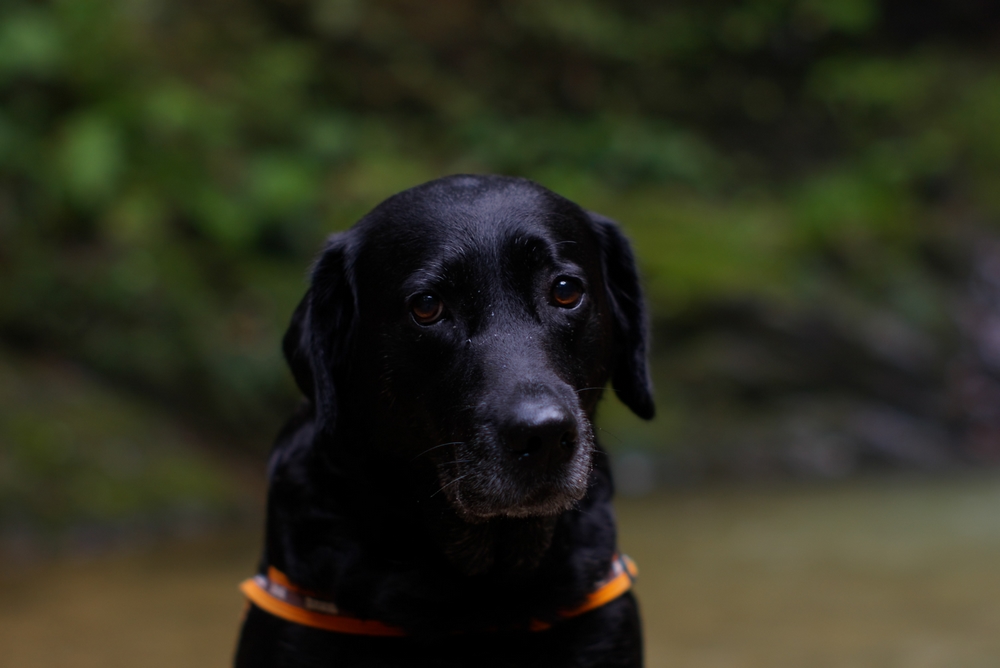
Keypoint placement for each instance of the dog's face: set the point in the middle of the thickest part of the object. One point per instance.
(475, 321)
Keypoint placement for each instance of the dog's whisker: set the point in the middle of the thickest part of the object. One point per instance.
(584, 389)
(440, 445)
(604, 432)
(447, 485)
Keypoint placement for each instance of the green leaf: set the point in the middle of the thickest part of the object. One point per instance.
(92, 157)
(30, 43)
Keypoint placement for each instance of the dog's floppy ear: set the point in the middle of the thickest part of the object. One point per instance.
(318, 339)
(630, 367)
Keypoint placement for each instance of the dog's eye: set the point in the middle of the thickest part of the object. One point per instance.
(567, 292)
(427, 308)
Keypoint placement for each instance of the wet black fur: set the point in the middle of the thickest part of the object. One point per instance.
(394, 490)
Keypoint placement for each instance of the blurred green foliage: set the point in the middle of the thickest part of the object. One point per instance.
(168, 169)
(75, 452)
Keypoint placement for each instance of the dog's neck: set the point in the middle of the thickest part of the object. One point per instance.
(503, 547)
(507, 546)
(367, 537)
(394, 523)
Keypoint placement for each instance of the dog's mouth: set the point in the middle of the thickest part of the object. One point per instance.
(489, 478)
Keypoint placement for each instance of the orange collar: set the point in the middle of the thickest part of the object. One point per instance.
(275, 594)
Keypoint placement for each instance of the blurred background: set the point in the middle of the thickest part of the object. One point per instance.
(813, 191)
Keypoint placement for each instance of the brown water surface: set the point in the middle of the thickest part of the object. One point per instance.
(890, 573)
(879, 573)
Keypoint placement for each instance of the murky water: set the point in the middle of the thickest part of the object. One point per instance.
(891, 573)
(876, 573)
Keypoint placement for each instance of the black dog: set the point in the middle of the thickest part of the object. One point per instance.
(442, 480)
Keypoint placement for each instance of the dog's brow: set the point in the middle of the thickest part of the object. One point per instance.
(535, 245)
(436, 274)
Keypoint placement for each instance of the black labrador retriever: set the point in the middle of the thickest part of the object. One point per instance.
(440, 499)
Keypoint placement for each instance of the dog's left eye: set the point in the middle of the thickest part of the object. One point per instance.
(567, 292)
(426, 308)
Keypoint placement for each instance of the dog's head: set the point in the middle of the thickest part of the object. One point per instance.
(466, 327)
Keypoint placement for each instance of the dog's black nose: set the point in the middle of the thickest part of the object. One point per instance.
(540, 432)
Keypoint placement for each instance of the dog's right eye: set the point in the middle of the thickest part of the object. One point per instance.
(567, 292)
(426, 308)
